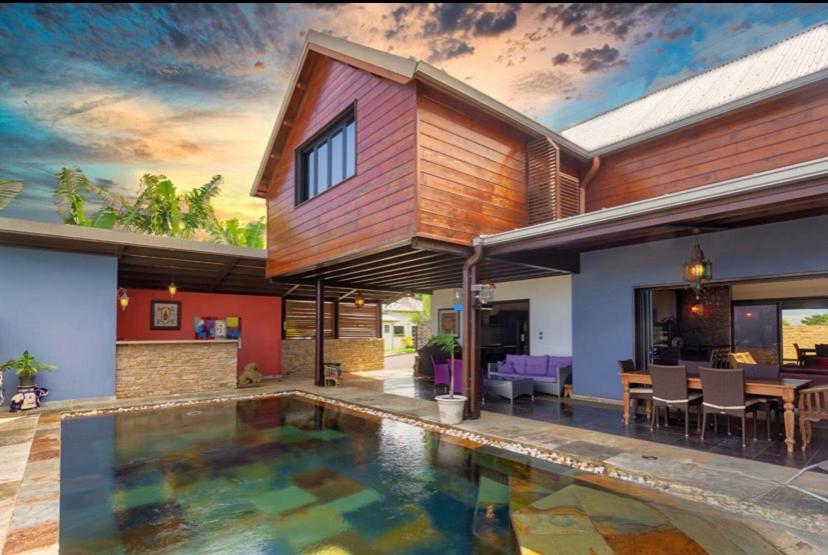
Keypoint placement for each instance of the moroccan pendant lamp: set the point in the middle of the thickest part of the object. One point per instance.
(698, 270)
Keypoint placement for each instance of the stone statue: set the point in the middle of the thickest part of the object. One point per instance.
(250, 376)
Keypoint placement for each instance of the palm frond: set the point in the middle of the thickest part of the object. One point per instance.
(69, 192)
(8, 190)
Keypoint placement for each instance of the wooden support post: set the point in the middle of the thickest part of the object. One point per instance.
(319, 351)
(471, 342)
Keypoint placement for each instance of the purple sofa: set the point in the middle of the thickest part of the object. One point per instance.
(550, 373)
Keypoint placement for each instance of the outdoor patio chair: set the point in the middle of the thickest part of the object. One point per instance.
(441, 371)
(813, 407)
(724, 393)
(821, 350)
(638, 393)
(719, 357)
(670, 392)
(800, 354)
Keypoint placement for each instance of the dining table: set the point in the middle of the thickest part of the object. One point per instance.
(784, 388)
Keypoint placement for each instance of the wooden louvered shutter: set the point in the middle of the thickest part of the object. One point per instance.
(550, 193)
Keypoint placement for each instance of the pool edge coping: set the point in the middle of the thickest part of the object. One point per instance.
(50, 422)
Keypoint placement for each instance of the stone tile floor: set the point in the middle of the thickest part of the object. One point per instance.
(29, 482)
(607, 418)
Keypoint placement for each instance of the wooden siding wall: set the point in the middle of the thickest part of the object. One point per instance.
(472, 171)
(368, 211)
(778, 133)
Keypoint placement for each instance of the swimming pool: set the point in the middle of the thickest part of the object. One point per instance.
(286, 475)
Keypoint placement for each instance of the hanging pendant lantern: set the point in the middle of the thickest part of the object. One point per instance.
(698, 270)
(359, 300)
(172, 288)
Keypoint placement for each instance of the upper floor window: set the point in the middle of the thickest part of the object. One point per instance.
(328, 158)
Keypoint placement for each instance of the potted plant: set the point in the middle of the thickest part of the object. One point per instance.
(450, 406)
(26, 367)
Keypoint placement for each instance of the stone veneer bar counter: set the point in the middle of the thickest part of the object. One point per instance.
(145, 368)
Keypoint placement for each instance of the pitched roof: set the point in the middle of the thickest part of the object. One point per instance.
(780, 67)
(401, 70)
(405, 304)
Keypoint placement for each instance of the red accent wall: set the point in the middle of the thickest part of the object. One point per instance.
(261, 322)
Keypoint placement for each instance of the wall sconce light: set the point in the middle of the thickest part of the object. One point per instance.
(123, 298)
(172, 288)
(359, 300)
(697, 309)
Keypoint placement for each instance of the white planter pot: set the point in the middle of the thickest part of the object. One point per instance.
(451, 409)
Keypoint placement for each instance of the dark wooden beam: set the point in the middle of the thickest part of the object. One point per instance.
(421, 243)
(339, 285)
(560, 260)
(415, 261)
(228, 267)
(319, 340)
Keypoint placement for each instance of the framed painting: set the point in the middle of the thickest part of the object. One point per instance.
(165, 315)
(447, 319)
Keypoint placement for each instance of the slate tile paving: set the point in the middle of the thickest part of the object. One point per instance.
(356, 505)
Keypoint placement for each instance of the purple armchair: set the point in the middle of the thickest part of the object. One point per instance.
(550, 373)
(441, 372)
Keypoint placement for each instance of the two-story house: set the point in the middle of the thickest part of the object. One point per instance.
(385, 175)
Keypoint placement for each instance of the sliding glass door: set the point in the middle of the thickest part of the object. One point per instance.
(804, 325)
(756, 331)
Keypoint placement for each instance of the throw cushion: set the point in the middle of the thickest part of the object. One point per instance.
(506, 367)
(537, 366)
(736, 359)
(518, 363)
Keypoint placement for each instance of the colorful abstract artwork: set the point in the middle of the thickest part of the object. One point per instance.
(233, 327)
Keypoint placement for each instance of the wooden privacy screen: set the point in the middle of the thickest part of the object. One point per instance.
(358, 322)
(550, 193)
(300, 319)
(351, 322)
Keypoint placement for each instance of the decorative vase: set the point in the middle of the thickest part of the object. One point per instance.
(451, 408)
(28, 395)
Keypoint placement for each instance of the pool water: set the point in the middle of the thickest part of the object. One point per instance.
(284, 475)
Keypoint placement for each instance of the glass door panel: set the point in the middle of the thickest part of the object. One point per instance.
(756, 331)
(804, 325)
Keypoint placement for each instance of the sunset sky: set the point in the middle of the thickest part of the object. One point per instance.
(192, 90)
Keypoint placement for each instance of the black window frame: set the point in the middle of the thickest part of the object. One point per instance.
(322, 137)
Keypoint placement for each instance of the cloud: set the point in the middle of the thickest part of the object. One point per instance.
(448, 48)
(675, 33)
(613, 19)
(560, 58)
(599, 59)
(548, 82)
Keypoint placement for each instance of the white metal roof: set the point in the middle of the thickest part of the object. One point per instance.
(791, 63)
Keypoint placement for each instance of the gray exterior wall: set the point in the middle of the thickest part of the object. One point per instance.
(61, 307)
(603, 300)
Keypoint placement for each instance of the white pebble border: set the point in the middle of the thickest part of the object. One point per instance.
(722, 501)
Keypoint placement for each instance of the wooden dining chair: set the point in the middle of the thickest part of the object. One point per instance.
(637, 393)
(724, 393)
(670, 392)
(813, 407)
